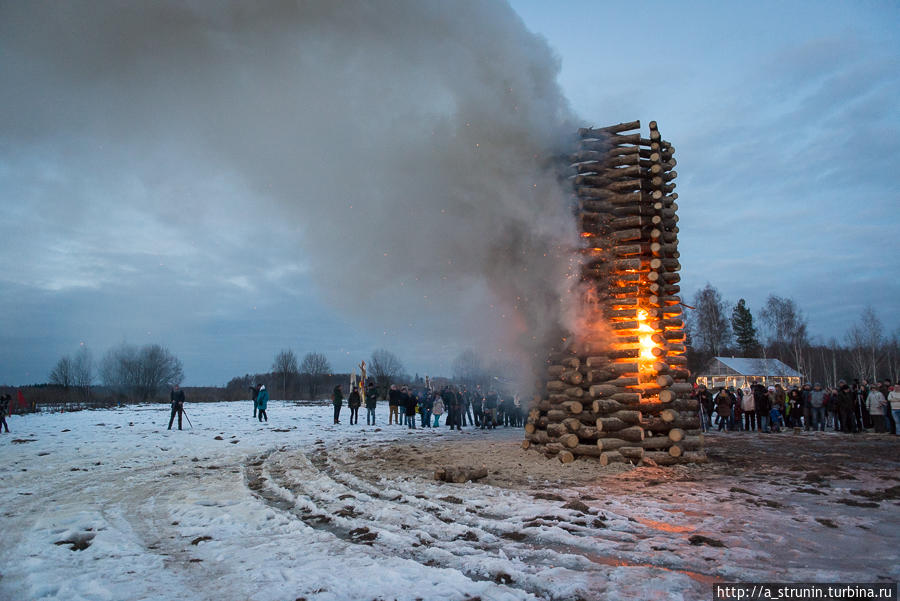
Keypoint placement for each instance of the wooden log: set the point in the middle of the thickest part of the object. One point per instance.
(529, 428)
(526, 444)
(605, 406)
(566, 457)
(557, 415)
(556, 386)
(600, 375)
(573, 407)
(682, 388)
(569, 440)
(573, 377)
(657, 424)
(657, 443)
(574, 392)
(664, 381)
(459, 475)
(633, 453)
(572, 425)
(660, 458)
(666, 396)
(611, 444)
(676, 434)
(540, 437)
(626, 397)
(633, 434)
(610, 424)
(555, 430)
(591, 132)
(553, 448)
(611, 457)
(589, 433)
(586, 450)
(554, 371)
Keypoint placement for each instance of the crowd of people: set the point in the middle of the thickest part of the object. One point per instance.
(407, 405)
(846, 408)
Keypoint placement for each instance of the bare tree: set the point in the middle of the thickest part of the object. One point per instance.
(140, 373)
(711, 328)
(385, 366)
(872, 338)
(285, 365)
(468, 369)
(83, 372)
(786, 330)
(892, 356)
(314, 367)
(63, 374)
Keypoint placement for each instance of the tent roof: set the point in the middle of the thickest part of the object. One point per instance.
(749, 366)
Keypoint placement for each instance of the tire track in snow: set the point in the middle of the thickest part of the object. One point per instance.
(315, 491)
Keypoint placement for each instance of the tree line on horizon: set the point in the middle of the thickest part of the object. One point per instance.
(131, 374)
(716, 328)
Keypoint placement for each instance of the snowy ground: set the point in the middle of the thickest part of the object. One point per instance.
(109, 505)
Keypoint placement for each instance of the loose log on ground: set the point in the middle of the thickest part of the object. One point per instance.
(460, 474)
(566, 457)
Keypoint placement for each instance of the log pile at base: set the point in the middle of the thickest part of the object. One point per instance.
(619, 390)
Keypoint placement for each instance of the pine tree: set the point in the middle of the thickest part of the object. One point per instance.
(743, 328)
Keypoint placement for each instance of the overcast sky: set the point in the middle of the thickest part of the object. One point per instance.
(235, 181)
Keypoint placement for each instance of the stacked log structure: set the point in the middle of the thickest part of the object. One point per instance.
(619, 389)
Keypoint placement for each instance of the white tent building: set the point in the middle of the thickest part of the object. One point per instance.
(743, 371)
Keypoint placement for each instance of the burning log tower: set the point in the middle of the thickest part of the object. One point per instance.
(619, 389)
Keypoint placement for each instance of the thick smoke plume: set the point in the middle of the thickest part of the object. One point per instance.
(410, 141)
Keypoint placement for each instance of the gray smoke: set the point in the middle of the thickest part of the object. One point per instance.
(411, 142)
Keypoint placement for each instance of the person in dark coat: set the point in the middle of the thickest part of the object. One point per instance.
(425, 405)
(411, 401)
(763, 405)
(846, 405)
(254, 392)
(353, 402)
(262, 403)
(724, 401)
(4, 410)
(451, 402)
(489, 416)
(371, 402)
(704, 396)
(393, 405)
(337, 399)
(177, 400)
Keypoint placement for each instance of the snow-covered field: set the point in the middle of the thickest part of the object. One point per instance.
(110, 505)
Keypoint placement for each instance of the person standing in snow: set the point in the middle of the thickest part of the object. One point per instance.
(4, 410)
(337, 399)
(875, 403)
(254, 392)
(371, 403)
(437, 409)
(262, 402)
(177, 399)
(393, 405)
(353, 402)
